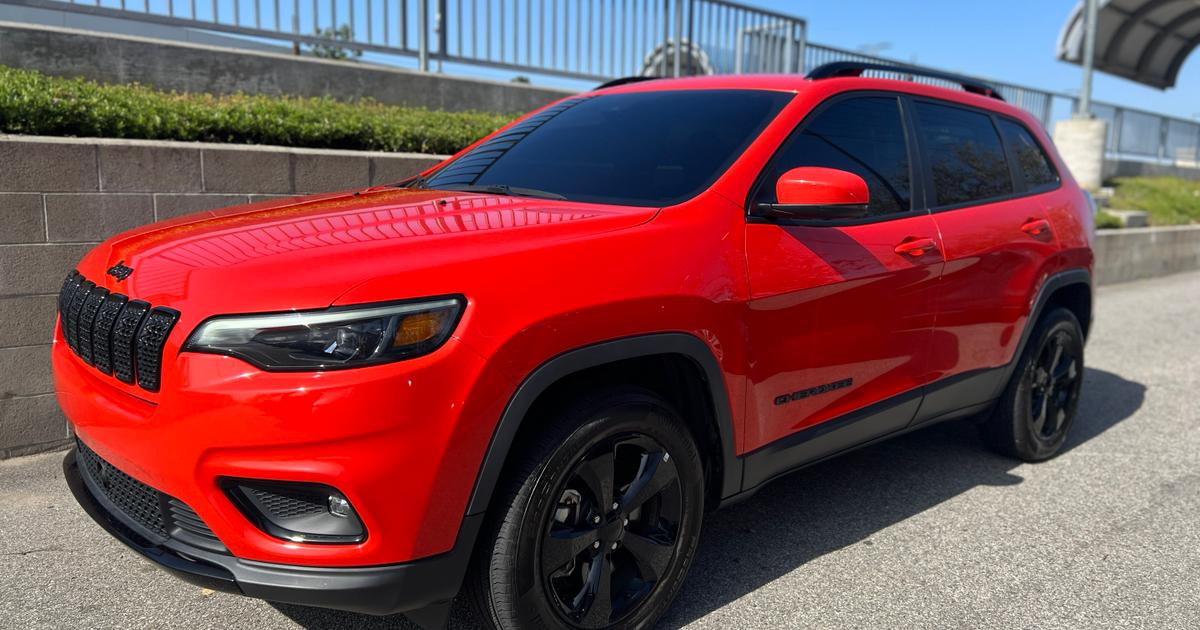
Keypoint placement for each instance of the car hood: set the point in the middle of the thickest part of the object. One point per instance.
(304, 253)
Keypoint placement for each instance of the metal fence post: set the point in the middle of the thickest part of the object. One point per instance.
(295, 26)
(666, 28)
(1196, 147)
(801, 44)
(423, 35)
(678, 35)
(1164, 130)
(1089, 58)
(439, 27)
(1115, 133)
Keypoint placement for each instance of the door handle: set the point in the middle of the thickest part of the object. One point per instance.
(916, 247)
(1036, 227)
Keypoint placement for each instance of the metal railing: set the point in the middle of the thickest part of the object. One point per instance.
(592, 40)
(578, 39)
(1132, 133)
(602, 39)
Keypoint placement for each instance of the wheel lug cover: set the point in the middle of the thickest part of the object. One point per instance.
(616, 505)
(596, 520)
(626, 523)
(596, 545)
(614, 545)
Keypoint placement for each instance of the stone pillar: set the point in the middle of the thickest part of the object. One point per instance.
(1080, 142)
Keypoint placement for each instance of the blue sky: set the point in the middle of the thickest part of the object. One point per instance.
(1010, 40)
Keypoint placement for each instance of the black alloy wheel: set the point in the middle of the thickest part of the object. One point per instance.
(1054, 384)
(1034, 414)
(597, 523)
(614, 531)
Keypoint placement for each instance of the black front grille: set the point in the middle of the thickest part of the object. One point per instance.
(158, 514)
(132, 497)
(186, 519)
(117, 335)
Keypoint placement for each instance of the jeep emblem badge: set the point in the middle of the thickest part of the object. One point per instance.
(119, 271)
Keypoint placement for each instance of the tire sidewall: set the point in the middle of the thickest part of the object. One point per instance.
(646, 416)
(1027, 444)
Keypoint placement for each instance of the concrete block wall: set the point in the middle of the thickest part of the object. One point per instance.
(61, 196)
(187, 67)
(1138, 253)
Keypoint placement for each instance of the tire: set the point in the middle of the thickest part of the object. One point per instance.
(552, 548)
(1034, 414)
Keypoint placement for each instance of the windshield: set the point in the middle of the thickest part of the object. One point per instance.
(642, 149)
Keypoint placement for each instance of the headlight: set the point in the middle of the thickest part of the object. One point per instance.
(334, 338)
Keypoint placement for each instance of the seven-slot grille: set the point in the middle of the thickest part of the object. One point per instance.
(114, 334)
(157, 513)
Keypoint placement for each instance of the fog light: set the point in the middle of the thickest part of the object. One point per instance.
(298, 512)
(339, 507)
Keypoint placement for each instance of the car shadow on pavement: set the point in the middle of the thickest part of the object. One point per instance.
(846, 500)
(826, 507)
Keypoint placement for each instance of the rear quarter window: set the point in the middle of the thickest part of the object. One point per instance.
(964, 154)
(1033, 165)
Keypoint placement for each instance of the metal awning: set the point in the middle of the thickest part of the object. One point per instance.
(1141, 40)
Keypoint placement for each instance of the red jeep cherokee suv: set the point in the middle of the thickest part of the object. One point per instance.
(528, 372)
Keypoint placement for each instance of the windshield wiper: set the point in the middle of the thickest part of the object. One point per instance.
(416, 182)
(503, 189)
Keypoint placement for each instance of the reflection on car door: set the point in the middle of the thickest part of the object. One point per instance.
(841, 317)
(996, 238)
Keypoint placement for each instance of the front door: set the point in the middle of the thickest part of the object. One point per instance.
(841, 317)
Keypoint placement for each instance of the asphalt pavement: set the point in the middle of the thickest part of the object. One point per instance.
(926, 531)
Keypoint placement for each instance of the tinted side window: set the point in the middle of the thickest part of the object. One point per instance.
(1032, 163)
(863, 136)
(964, 153)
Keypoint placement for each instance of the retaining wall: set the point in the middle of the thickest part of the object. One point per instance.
(1138, 253)
(188, 67)
(60, 196)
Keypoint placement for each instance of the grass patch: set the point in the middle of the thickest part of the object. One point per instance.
(36, 104)
(1168, 200)
(1106, 221)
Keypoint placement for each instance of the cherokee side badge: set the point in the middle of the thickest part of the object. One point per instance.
(813, 391)
(120, 271)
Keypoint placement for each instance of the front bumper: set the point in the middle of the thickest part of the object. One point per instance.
(376, 590)
(396, 440)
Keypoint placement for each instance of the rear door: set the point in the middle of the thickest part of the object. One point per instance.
(840, 320)
(984, 182)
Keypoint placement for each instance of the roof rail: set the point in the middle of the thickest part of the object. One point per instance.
(856, 68)
(623, 81)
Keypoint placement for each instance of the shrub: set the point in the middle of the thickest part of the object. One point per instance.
(32, 103)
(1106, 221)
(1168, 200)
(342, 33)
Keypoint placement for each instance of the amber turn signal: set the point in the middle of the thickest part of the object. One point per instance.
(420, 327)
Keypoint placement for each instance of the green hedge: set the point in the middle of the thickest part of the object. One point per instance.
(1106, 221)
(1168, 200)
(32, 103)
